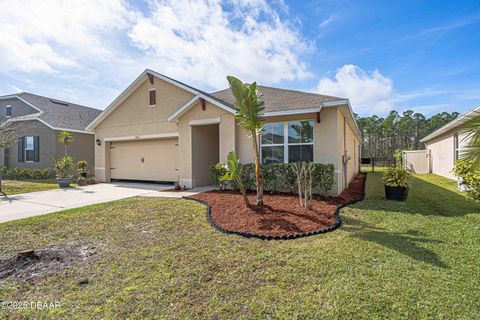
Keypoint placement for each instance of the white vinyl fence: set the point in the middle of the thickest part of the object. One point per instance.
(416, 161)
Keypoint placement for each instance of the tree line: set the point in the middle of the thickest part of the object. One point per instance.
(382, 136)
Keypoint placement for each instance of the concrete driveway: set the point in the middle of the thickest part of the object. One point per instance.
(38, 203)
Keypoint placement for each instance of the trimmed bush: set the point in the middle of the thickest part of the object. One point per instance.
(279, 177)
(25, 173)
(323, 177)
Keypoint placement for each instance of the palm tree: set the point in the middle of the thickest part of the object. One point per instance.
(472, 151)
(65, 137)
(249, 104)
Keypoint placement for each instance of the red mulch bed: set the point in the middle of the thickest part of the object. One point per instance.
(281, 215)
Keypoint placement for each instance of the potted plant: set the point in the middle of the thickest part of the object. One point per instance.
(64, 168)
(82, 168)
(396, 184)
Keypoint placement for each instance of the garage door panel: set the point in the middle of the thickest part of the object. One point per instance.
(154, 160)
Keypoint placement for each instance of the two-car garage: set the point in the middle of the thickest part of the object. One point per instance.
(147, 160)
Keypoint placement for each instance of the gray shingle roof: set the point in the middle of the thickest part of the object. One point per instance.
(281, 99)
(60, 114)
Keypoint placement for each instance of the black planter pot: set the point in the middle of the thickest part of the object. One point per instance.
(396, 193)
(83, 174)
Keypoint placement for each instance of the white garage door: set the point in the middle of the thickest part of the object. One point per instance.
(151, 160)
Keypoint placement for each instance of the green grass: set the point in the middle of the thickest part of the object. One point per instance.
(23, 186)
(159, 259)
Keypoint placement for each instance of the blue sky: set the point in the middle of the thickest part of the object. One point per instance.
(382, 55)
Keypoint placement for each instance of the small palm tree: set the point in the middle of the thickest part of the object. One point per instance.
(249, 104)
(472, 151)
(233, 172)
(65, 137)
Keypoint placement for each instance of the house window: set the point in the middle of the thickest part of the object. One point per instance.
(272, 142)
(8, 109)
(284, 142)
(29, 149)
(456, 147)
(152, 98)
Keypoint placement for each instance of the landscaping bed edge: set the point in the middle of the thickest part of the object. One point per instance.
(338, 222)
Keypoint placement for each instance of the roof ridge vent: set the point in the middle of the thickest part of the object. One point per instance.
(62, 103)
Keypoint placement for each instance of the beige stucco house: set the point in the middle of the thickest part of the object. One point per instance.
(160, 129)
(444, 146)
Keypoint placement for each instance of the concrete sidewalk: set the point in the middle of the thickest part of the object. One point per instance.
(38, 203)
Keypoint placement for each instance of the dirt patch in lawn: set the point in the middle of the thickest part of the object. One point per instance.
(31, 264)
(281, 215)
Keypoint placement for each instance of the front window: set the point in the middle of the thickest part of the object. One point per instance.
(29, 149)
(8, 109)
(272, 142)
(284, 142)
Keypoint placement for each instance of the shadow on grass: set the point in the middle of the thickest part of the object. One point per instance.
(424, 198)
(407, 243)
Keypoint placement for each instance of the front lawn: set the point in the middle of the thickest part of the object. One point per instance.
(23, 186)
(159, 258)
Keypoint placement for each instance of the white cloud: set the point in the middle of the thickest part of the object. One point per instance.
(46, 36)
(367, 91)
(198, 41)
(203, 41)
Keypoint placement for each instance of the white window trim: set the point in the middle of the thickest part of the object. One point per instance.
(152, 105)
(6, 111)
(456, 147)
(27, 149)
(285, 143)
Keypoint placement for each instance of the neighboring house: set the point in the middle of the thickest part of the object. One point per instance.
(160, 129)
(443, 146)
(39, 120)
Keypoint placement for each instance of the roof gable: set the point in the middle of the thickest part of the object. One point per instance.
(137, 82)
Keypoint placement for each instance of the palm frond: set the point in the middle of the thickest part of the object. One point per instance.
(472, 135)
(249, 104)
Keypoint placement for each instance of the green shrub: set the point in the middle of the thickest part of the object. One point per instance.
(323, 177)
(216, 172)
(396, 177)
(470, 177)
(18, 173)
(39, 174)
(3, 171)
(248, 176)
(25, 173)
(279, 177)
